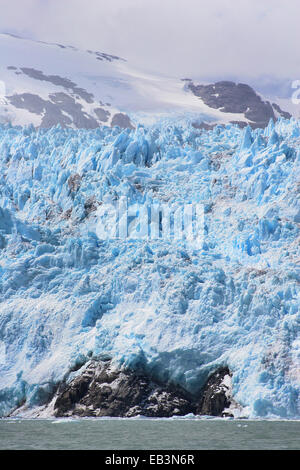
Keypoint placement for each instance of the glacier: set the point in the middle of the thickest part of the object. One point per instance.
(177, 311)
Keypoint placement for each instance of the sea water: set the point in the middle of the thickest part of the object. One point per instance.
(151, 434)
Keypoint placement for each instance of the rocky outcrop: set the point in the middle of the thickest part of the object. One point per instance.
(122, 120)
(103, 391)
(283, 114)
(230, 97)
(100, 390)
(216, 398)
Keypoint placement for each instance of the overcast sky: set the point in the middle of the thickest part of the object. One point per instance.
(186, 38)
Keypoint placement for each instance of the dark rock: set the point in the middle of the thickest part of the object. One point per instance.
(66, 104)
(284, 114)
(122, 120)
(58, 81)
(102, 114)
(100, 390)
(230, 97)
(60, 109)
(103, 391)
(216, 395)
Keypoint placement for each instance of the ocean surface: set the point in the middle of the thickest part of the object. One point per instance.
(151, 434)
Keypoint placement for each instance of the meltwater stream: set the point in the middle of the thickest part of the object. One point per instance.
(148, 434)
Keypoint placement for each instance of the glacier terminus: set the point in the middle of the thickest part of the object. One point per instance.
(75, 306)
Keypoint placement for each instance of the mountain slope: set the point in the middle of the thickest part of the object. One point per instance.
(238, 98)
(48, 84)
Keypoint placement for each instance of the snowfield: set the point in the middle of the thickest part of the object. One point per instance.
(180, 312)
(47, 84)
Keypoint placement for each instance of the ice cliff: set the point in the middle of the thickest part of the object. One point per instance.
(177, 311)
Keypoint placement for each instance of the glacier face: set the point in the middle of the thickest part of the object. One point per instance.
(180, 312)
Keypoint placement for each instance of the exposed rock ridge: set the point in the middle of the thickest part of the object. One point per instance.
(230, 97)
(100, 390)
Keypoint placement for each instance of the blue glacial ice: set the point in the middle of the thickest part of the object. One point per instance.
(178, 311)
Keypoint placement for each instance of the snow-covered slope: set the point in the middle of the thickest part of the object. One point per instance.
(178, 311)
(47, 84)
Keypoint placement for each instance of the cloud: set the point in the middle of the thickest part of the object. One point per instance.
(220, 38)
